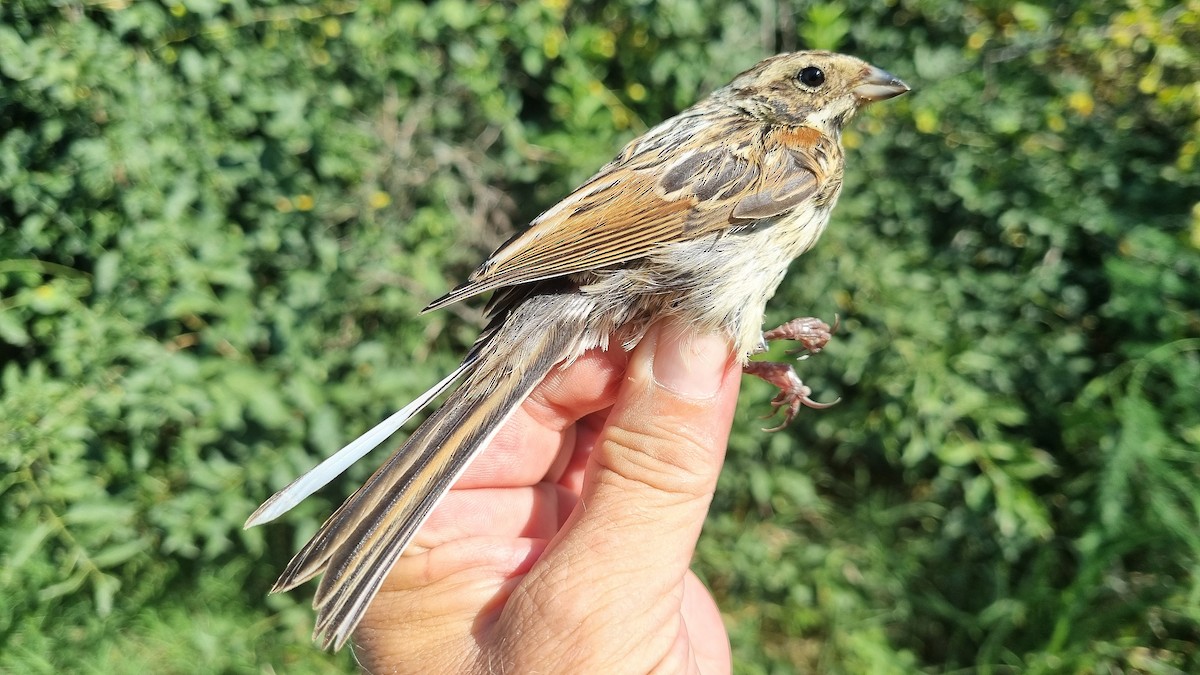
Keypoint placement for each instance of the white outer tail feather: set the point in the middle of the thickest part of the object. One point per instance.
(319, 476)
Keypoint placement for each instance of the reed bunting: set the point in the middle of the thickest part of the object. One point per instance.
(697, 219)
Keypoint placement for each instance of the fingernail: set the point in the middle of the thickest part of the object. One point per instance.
(690, 365)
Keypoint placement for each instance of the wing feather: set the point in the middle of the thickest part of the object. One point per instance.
(639, 202)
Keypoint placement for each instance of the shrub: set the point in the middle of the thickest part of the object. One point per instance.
(218, 221)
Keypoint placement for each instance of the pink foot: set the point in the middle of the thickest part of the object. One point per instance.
(792, 392)
(812, 334)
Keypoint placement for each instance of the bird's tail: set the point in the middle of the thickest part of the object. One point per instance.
(359, 543)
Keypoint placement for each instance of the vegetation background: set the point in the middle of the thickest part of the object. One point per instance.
(219, 219)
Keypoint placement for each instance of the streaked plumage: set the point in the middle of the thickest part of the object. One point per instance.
(697, 219)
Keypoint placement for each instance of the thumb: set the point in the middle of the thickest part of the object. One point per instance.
(664, 440)
(652, 472)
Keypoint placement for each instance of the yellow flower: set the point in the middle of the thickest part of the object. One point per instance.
(379, 199)
(1081, 102)
(927, 121)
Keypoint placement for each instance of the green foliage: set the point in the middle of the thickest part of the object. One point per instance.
(218, 221)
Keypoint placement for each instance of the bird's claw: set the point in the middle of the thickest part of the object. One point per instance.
(790, 402)
(793, 393)
(812, 333)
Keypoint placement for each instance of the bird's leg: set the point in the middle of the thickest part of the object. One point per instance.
(793, 393)
(812, 334)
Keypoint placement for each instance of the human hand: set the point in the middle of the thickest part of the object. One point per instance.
(565, 547)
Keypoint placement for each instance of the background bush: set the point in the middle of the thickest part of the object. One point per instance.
(218, 220)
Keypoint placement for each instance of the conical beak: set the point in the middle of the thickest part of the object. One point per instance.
(879, 85)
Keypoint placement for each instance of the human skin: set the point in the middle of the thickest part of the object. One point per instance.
(566, 546)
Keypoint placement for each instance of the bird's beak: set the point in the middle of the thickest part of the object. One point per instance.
(878, 85)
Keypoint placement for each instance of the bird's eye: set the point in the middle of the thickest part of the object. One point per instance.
(811, 77)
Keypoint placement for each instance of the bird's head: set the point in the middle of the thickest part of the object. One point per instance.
(818, 89)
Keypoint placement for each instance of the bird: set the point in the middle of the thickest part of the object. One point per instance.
(696, 220)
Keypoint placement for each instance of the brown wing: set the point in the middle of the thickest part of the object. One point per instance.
(652, 194)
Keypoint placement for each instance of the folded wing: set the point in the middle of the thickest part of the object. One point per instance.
(636, 204)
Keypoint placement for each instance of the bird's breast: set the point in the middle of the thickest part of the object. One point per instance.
(716, 283)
